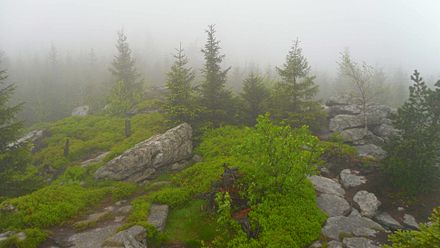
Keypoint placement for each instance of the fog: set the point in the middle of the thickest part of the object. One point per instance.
(390, 33)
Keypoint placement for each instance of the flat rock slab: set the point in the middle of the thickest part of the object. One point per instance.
(158, 216)
(353, 225)
(359, 243)
(368, 203)
(327, 186)
(134, 236)
(387, 220)
(371, 151)
(92, 238)
(351, 178)
(335, 244)
(333, 205)
(92, 218)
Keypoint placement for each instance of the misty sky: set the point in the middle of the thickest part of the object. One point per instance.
(389, 33)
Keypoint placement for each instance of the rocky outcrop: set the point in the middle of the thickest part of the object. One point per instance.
(410, 221)
(348, 119)
(146, 159)
(368, 203)
(81, 111)
(158, 216)
(92, 238)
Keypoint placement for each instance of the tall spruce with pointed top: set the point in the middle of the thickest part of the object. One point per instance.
(293, 96)
(215, 99)
(254, 98)
(127, 87)
(9, 126)
(180, 105)
(414, 155)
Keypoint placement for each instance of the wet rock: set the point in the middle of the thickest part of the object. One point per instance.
(388, 221)
(368, 203)
(350, 178)
(371, 150)
(333, 205)
(385, 131)
(359, 243)
(410, 221)
(92, 238)
(327, 186)
(158, 216)
(134, 237)
(155, 154)
(81, 111)
(353, 225)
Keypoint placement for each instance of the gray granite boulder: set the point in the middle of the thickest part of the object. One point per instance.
(410, 221)
(371, 151)
(387, 220)
(337, 226)
(356, 242)
(368, 203)
(327, 186)
(81, 111)
(133, 237)
(333, 205)
(351, 178)
(145, 159)
(92, 238)
(341, 122)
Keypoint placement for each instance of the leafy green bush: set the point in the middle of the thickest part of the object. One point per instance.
(171, 196)
(427, 237)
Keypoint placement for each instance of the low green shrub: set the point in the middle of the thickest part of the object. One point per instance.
(34, 237)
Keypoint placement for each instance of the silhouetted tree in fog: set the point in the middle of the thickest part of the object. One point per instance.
(254, 98)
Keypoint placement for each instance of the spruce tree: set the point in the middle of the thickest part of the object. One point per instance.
(126, 77)
(180, 105)
(215, 99)
(293, 96)
(414, 154)
(254, 98)
(9, 127)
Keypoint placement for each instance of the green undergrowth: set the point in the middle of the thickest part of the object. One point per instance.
(91, 135)
(34, 236)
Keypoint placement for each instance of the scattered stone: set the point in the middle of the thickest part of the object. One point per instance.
(333, 205)
(134, 237)
(410, 221)
(359, 243)
(92, 238)
(324, 170)
(353, 225)
(327, 186)
(387, 220)
(5, 235)
(335, 244)
(341, 122)
(21, 236)
(81, 111)
(154, 154)
(158, 216)
(109, 208)
(97, 159)
(125, 209)
(368, 203)
(351, 178)
(400, 209)
(371, 151)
